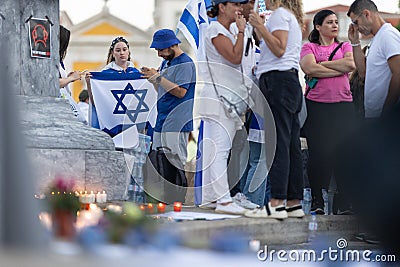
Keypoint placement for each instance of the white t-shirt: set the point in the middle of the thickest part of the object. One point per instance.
(84, 107)
(281, 19)
(385, 44)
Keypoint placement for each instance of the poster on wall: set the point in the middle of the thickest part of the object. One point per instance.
(39, 37)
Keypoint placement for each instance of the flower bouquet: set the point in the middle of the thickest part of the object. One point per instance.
(63, 205)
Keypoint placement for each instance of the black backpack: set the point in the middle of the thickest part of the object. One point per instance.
(164, 177)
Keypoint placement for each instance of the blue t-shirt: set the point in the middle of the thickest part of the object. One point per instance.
(176, 114)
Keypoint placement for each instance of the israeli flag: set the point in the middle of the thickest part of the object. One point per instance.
(124, 102)
(198, 177)
(193, 24)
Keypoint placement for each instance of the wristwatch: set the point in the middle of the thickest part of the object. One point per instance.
(158, 79)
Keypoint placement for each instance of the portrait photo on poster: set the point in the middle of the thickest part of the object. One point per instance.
(39, 37)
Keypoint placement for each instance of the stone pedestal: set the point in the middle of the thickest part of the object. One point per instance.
(58, 144)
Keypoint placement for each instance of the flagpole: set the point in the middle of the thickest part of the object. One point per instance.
(251, 29)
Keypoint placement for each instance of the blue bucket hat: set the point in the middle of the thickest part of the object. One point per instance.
(163, 39)
(216, 2)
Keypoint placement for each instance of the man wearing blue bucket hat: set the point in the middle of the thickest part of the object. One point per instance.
(175, 82)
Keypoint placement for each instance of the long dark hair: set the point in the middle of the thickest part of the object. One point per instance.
(64, 41)
(318, 20)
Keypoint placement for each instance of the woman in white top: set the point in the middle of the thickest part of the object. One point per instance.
(65, 78)
(224, 55)
(277, 71)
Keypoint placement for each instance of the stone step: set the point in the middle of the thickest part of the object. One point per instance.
(291, 231)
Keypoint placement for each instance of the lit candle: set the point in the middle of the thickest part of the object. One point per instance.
(177, 206)
(142, 208)
(104, 196)
(99, 197)
(161, 207)
(150, 208)
(85, 197)
(92, 197)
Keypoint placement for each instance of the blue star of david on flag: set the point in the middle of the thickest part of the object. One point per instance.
(121, 108)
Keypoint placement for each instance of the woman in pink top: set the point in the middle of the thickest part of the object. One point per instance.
(329, 103)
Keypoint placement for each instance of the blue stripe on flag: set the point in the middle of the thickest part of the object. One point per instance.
(117, 129)
(198, 179)
(190, 23)
(116, 76)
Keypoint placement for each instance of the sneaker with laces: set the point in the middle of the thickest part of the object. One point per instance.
(231, 208)
(257, 213)
(278, 212)
(244, 202)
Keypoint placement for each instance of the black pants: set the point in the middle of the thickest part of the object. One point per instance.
(234, 174)
(283, 93)
(327, 126)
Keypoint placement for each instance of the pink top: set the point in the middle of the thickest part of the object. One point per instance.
(333, 89)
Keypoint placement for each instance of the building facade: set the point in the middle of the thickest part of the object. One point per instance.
(91, 38)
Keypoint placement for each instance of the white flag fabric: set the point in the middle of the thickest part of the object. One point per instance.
(193, 24)
(123, 101)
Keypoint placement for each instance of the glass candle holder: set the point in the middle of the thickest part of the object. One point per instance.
(177, 206)
(161, 207)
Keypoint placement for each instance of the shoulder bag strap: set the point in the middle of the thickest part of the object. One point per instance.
(212, 79)
(334, 51)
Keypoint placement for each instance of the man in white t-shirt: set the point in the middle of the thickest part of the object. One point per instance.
(381, 65)
(83, 103)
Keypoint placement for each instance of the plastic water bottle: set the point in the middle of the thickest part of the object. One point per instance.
(130, 193)
(312, 227)
(306, 203)
(325, 196)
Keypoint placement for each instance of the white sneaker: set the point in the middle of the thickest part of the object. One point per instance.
(257, 213)
(231, 208)
(208, 206)
(278, 212)
(295, 211)
(244, 202)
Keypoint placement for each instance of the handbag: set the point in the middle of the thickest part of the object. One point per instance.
(236, 101)
(312, 81)
(164, 177)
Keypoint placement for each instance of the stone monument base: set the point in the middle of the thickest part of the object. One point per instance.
(58, 144)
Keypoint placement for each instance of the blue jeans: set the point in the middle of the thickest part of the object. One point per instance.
(254, 182)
